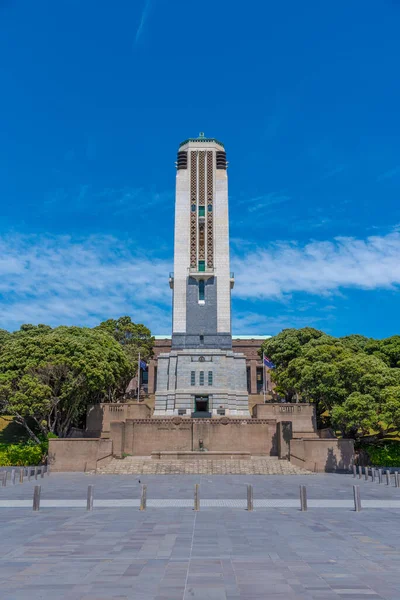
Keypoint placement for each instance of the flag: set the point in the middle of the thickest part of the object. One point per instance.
(143, 365)
(268, 363)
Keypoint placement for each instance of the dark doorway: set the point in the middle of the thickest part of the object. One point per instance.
(201, 408)
(201, 404)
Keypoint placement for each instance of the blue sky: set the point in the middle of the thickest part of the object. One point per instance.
(97, 95)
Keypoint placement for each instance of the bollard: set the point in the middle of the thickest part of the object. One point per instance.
(366, 471)
(35, 472)
(29, 473)
(373, 474)
(4, 479)
(360, 472)
(48, 470)
(41, 472)
(303, 498)
(143, 498)
(379, 475)
(387, 477)
(250, 497)
(357, 498)
(36, 497)
(13, 476)
(21, 475)
(196, 497)
(396, 479)
(354, 471)
(89, 503)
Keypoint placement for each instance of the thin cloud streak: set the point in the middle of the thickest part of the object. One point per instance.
(143, 19)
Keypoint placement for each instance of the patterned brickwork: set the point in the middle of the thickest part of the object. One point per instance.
(210, 184)
(193, 213)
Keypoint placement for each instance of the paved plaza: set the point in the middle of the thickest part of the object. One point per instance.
(173, 553)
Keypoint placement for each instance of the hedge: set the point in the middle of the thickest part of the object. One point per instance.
(385, 455)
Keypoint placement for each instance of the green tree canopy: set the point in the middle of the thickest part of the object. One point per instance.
(48, 376)
(133, 337)
(354, 381)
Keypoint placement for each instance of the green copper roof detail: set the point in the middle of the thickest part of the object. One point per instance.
(201, 138)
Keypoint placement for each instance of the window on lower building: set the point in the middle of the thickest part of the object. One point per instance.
(201, 378)
(202, 339)
(202, 211)
(202, 265)
(202, 288)
(210, 377)
(193, 378)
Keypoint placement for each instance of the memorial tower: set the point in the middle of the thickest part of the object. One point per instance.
(201, 376)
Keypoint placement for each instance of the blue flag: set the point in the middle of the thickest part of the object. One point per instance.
(143, 365)
(268, 363)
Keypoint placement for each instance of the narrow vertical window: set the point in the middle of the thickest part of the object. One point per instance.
(201, 378)
(210, 377)
(201, 290)
(193, 378)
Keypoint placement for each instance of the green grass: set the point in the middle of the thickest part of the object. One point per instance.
(11, 432)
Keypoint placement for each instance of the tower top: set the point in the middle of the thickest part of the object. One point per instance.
(200, 139)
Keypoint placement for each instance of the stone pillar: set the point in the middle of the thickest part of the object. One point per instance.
(284, 435)
(253, 377)
(151, 376)
(117, 434)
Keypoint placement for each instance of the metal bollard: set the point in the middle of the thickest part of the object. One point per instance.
(36, 497)
(372, 474)
(13, 476)
(250, 497)
(387, 477)
(89, 502)
(196, 497)
(303, 498)
(360, 472)
(41, 472)
(396, 479)
(366, 471)
(354, 471)
(35, 472)
(21, 475)
(357, 498)
(379, 475)
(143, 498)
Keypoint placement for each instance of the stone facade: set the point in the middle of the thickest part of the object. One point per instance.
(249, 346)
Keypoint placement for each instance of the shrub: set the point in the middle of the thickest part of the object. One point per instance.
(385, 455)
(20, 455)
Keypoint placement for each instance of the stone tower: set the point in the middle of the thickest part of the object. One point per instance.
(201, 375)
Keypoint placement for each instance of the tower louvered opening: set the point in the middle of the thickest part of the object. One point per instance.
(182, 160)
(221, 160)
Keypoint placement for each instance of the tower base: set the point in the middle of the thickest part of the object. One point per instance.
(202, 383)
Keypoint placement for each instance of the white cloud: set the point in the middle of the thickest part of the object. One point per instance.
(58, 280)
(319, 267)
(143, 19)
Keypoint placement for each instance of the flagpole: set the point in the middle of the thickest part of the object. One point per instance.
(264, 376)
(138, 378)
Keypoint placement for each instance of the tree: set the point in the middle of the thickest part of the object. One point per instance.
(49, 376)
(357, 416)
(133, 337)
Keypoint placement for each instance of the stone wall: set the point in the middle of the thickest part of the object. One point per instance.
(302, 415)
(142, 437)
(99, 416)
(79, 454)
(322, 455)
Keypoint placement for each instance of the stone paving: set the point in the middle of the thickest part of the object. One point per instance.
(267, 465)
(211, 555)
(175, 553)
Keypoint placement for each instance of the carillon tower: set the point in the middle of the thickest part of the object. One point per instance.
(201, 376)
